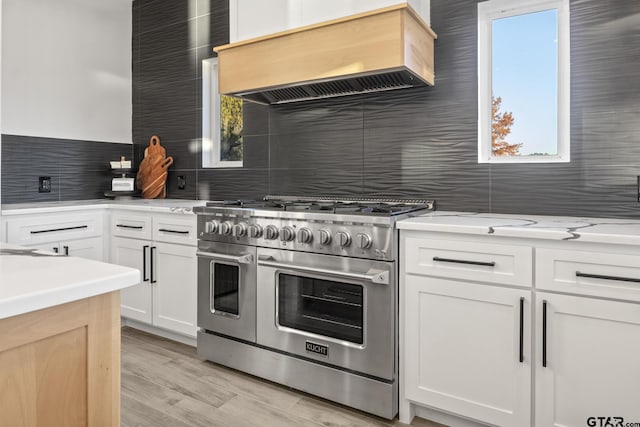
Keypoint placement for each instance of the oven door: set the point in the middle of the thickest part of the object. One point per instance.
(227, 289)
(340, 311)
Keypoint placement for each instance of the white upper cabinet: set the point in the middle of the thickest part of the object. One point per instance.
(255, 18)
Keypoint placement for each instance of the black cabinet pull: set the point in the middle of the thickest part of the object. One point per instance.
(56, 250)
(51, 230)
(461, 261)
(166, 230)
(598, 276)
(133, 227)
(544, 333)
(66, 250)
(522, 330)
(152, 257)
(144, 263)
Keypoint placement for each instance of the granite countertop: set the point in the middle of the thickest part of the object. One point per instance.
(32, 280)
(155, 205)
(597, 230)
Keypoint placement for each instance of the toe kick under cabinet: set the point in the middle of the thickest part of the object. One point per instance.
(483, 343)
(163, 248)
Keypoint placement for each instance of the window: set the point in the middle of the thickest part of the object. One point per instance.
(523, 81)
(221, 122)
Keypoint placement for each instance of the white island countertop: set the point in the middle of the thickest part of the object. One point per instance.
(597, 230)
(31, 280)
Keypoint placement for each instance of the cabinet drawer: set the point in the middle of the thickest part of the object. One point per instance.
(175, 229)
(35, 230)
(468, 260)
(128, 224)
(601, 274)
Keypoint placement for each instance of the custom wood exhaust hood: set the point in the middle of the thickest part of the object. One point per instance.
(385, 49)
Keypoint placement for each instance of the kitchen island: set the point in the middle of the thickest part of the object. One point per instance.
(59, 339)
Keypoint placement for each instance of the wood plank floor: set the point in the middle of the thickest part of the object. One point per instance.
(164, 383)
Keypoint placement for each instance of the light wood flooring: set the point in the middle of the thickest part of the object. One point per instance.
(164, 383)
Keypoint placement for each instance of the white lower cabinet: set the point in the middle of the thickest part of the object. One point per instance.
(167, 295)
(135, 301)
(91, 248)
(467, 349)
(592, 361)
(78, 234)
(175, 292)
(161, 245)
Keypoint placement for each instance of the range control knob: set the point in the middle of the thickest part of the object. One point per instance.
(255, 231)
(270, 232)
(305, 235)
(287, 234)
(239, 230)
(343, 238)
(325, 237)
(363, 241)
(224, 228)
(210, 226)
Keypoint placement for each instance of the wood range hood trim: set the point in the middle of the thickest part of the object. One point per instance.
(384, 49)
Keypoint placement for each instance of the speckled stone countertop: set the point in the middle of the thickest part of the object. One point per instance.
(597, 230)
(156, 205)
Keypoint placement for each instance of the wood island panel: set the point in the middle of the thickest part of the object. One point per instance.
(60, 366)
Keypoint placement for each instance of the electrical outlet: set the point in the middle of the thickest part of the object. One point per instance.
(182, 182)
(44, 184)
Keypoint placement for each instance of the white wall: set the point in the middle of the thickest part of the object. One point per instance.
(254, 18)
(66, 69)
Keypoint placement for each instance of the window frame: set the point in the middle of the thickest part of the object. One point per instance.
(496, 9)
(211, 118)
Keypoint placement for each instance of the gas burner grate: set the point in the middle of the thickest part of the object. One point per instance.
(330, 205)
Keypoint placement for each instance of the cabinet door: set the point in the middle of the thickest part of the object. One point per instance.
(38, 229)
(175, 290)
(135, 301)
(84, 248)
(462, 347)
(592, 361)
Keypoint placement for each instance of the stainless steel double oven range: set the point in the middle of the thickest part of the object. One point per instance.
(304, 292)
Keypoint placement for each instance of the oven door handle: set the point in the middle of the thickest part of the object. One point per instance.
(373, 275)
(239, 259)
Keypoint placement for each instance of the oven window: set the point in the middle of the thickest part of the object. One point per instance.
(323, 307)
(225, 288)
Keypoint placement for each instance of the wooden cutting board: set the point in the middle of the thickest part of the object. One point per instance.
(152, 174)
(155, 147)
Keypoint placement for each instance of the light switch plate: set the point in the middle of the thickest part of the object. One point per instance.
(182, 182)
(44, 184)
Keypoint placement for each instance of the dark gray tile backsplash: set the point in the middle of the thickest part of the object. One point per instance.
(418, 142)
(78, 169)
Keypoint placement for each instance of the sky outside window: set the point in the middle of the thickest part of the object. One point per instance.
(525, 76)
